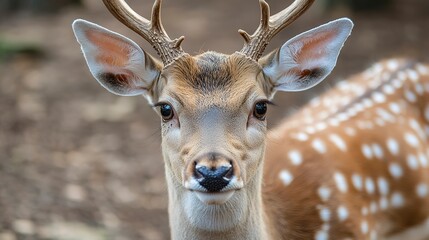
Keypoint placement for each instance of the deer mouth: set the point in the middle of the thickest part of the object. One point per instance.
(215, 198)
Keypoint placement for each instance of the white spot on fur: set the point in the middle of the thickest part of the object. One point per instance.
(302, 136)
(286, 177)
(321, 126)
(369, 185)
(385, 115)
(397, 200)
(295, 157)
(378, 68)
(351, 112)
(384, 203)
(322, 235)
(325, 214)
(342, 213)
(324, 193)
(397, 83)
(388, 89)
(410, 96)
(422, 190)
(310, 130)
(383, 186)
(350, 131)
(416, 126)
(419, 89)
(422, 69)
(377, 150)
(333, 122)
(364, 124)
(366, 151)
(364, 227)
(315, 102)
(342, 117)
(341, 182)
(359, 107)
(393, 146)
(395, 170)
(343, 85)
(413, 75)
(367, 103)
(402, 76)
(423, 160)
(392, 65)
(319, 145)
(395, 107)
(338, 141)
(378, 97)
(357, 182)
(411, 139)
(412, 162)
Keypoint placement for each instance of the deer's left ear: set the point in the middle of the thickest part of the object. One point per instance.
(305, 60)
(117, 63)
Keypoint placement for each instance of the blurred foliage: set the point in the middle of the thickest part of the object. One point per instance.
(359, 5)
(9, 49)
(35, 6)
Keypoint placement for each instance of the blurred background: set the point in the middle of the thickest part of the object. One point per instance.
(78, 163)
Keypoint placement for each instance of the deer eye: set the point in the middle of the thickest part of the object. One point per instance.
(166, 111)
(260, 110)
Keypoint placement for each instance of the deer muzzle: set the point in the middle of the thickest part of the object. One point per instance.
(213, 177)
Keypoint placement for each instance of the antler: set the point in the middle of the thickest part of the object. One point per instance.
(255, 45)
(153, 31)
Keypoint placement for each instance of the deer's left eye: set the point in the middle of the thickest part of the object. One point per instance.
(260, 110)
(166, 112)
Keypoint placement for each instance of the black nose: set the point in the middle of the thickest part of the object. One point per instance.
(213, 179)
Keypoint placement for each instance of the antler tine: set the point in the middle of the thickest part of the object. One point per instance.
(290, 14)
(255, 44)
(156, 16)
(152, 31)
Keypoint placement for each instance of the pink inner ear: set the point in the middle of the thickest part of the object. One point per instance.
(314, 47)
(112, 51)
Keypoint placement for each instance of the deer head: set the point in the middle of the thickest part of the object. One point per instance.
(212, 106)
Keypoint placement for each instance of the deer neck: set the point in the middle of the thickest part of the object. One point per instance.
(242, 217)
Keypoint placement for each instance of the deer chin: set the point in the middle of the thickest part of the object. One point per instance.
(215, 211)
(214, 198)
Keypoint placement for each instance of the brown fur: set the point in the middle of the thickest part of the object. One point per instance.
(296, 205)
(227, 78)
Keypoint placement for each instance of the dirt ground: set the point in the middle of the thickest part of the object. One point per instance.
(77, 162)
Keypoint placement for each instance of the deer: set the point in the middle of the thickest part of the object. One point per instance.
(352, 164)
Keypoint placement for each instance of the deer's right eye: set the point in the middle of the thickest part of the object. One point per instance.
(166, 111)
(260, 110)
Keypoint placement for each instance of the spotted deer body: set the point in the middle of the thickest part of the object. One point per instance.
(353, 164)
(214, 136)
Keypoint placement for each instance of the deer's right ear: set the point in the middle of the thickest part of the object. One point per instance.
(117, 63)
(307, 59)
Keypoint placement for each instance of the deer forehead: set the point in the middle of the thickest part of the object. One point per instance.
(213, 79)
